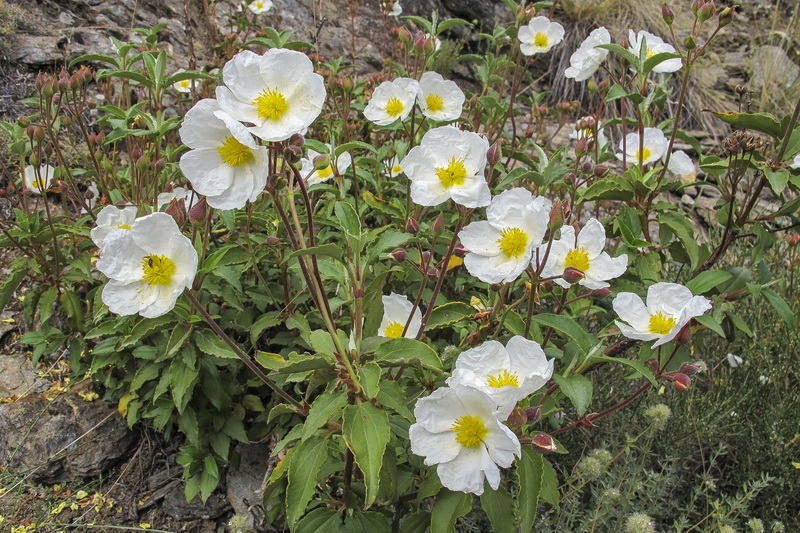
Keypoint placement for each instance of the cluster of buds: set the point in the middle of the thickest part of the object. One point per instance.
(424, 43)
(401, 35)
(568, 107)
(679, 378)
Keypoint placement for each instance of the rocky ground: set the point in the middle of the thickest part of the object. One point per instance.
(58, 443)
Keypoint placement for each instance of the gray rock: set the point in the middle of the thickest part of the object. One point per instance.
(687, 200)
(175, 505)
(244, 483)
(61, 439)
(18, 377)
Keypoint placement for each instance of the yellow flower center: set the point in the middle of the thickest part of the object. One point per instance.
(184, 84)
(38, 184)
(434, 103)
(325, 172)
(513, 242)
(259, 5)
(158, 269)
(470, 431)
(123, 226)
(234, 153)
(394, 330)
(271, 105)
(502, 379)
(661, 324)
(397, 169)
(649, 53)
(453, 174)
(540, 40)
(643, 155)
(394, 107)
(577, 258)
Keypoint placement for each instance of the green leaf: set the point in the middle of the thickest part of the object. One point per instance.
(145, 327)
(320, 520)
(419, 522)
(613, 188)
(448, 508)
(367, 522)
(634, 364)
(763, 122)
(264, 322)
(530, 470)
(711, 323)
(328, 250)
(653, 61)
(85, 58)
(449, 314)
(780, 306)
(209, 343)
(46, 303)
(10, 284)
(549, 492)
(705, 281)
(347, 215)
(578, 389)
(327, 407)
(303, 477)
(740, 324)
(571, 329)
(624, 52)
(366, 432)
(450, 23)
(684, 229)
(499, 507)
(370, 377)
(393, 396)
(404, 350)
(354, 145)
(295, 362)
(777, 179)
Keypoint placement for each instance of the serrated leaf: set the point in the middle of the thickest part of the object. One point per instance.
(370, 378)
(448, 314)
(763, 122)
(448, 508)
(294, 363)
(302, 477)
(320, 520)
(404, 350)
(327, 407)
(208, 342)
(366, 432)
(393, 396)
(499, 507)
(578, 389)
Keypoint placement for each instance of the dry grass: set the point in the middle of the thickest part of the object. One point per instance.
(12, 18)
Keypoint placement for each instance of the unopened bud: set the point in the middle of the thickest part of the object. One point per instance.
(682, 382)
(690, 43)
(569, 177)
(580, 146)
(667, 14)
(143, 162)
(600, 170)
(684, 336)
(556, 217)
(690, 369)
(38, 133)
(412, 226)
(587, 167)
(696, 5)
(605, 292)
(432, 272)
(322, 161)
(533, 414)
(572, 275)
(653, 365)
(544, 442)
(706, 11)
(494, 153)
(404, 36)
(517, 418)
(136, 153)
(398, 255)
(272, 240)
(292, 154)
(793, 239)
(30, 131)
(177, 210)
(297, 140)
(726, 16)
(425, 257)
(438, 225)
(496, 287)
(23, 121)
(198, 212)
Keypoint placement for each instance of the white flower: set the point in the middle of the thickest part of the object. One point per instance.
(437, 43)
(458, 428)
(506, 373)
(539, 36)
(396, 8)
(681, 165)
(586, 59)
(111, 218)
(653, 148)
(448, 163)
(500, 247)
(439, 99)
(584, 252)
(734, 360)
(225, 163)
(653, 45)
(394, 167)
(313, 176)
(278, 92)
(260, 6)
(391, 100)
(795, 162)
(183, 86)
(176, 194)
(37, 183)
(148, 266)
(396, 310)
(585, 129)
(669, 307)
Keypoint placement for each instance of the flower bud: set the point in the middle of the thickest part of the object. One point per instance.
(544, 443)
(136, 153)
(432, 272)
(160, 162)
(495, 287)
(297, 140)
(177, 210)
(494, 153)
(38, 134)
(460, 251)
(572, 275)
(580, 146)
(569, 177)
(398, 255)
(793, 239)
(600, 170)
(690, 43)
(198, 212)
(556, 217)
(533, 414)
(690, 369)
(438, 225)
(412, 226)
(605, 292)
(682, 382)
(696, 5)
(517, 418)
(684, 336)
(322, 161)
(587, 167)
(425, 257)
(272, 240)
(667, 14)
(726, 16)
(30, 130)
(23, 121)
(292, 154)
(706, 11)
(652, 364)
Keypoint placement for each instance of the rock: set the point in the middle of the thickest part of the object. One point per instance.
(244, 483)
(18, 377)
(64, 439)
(687, 200)
(175, 505)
